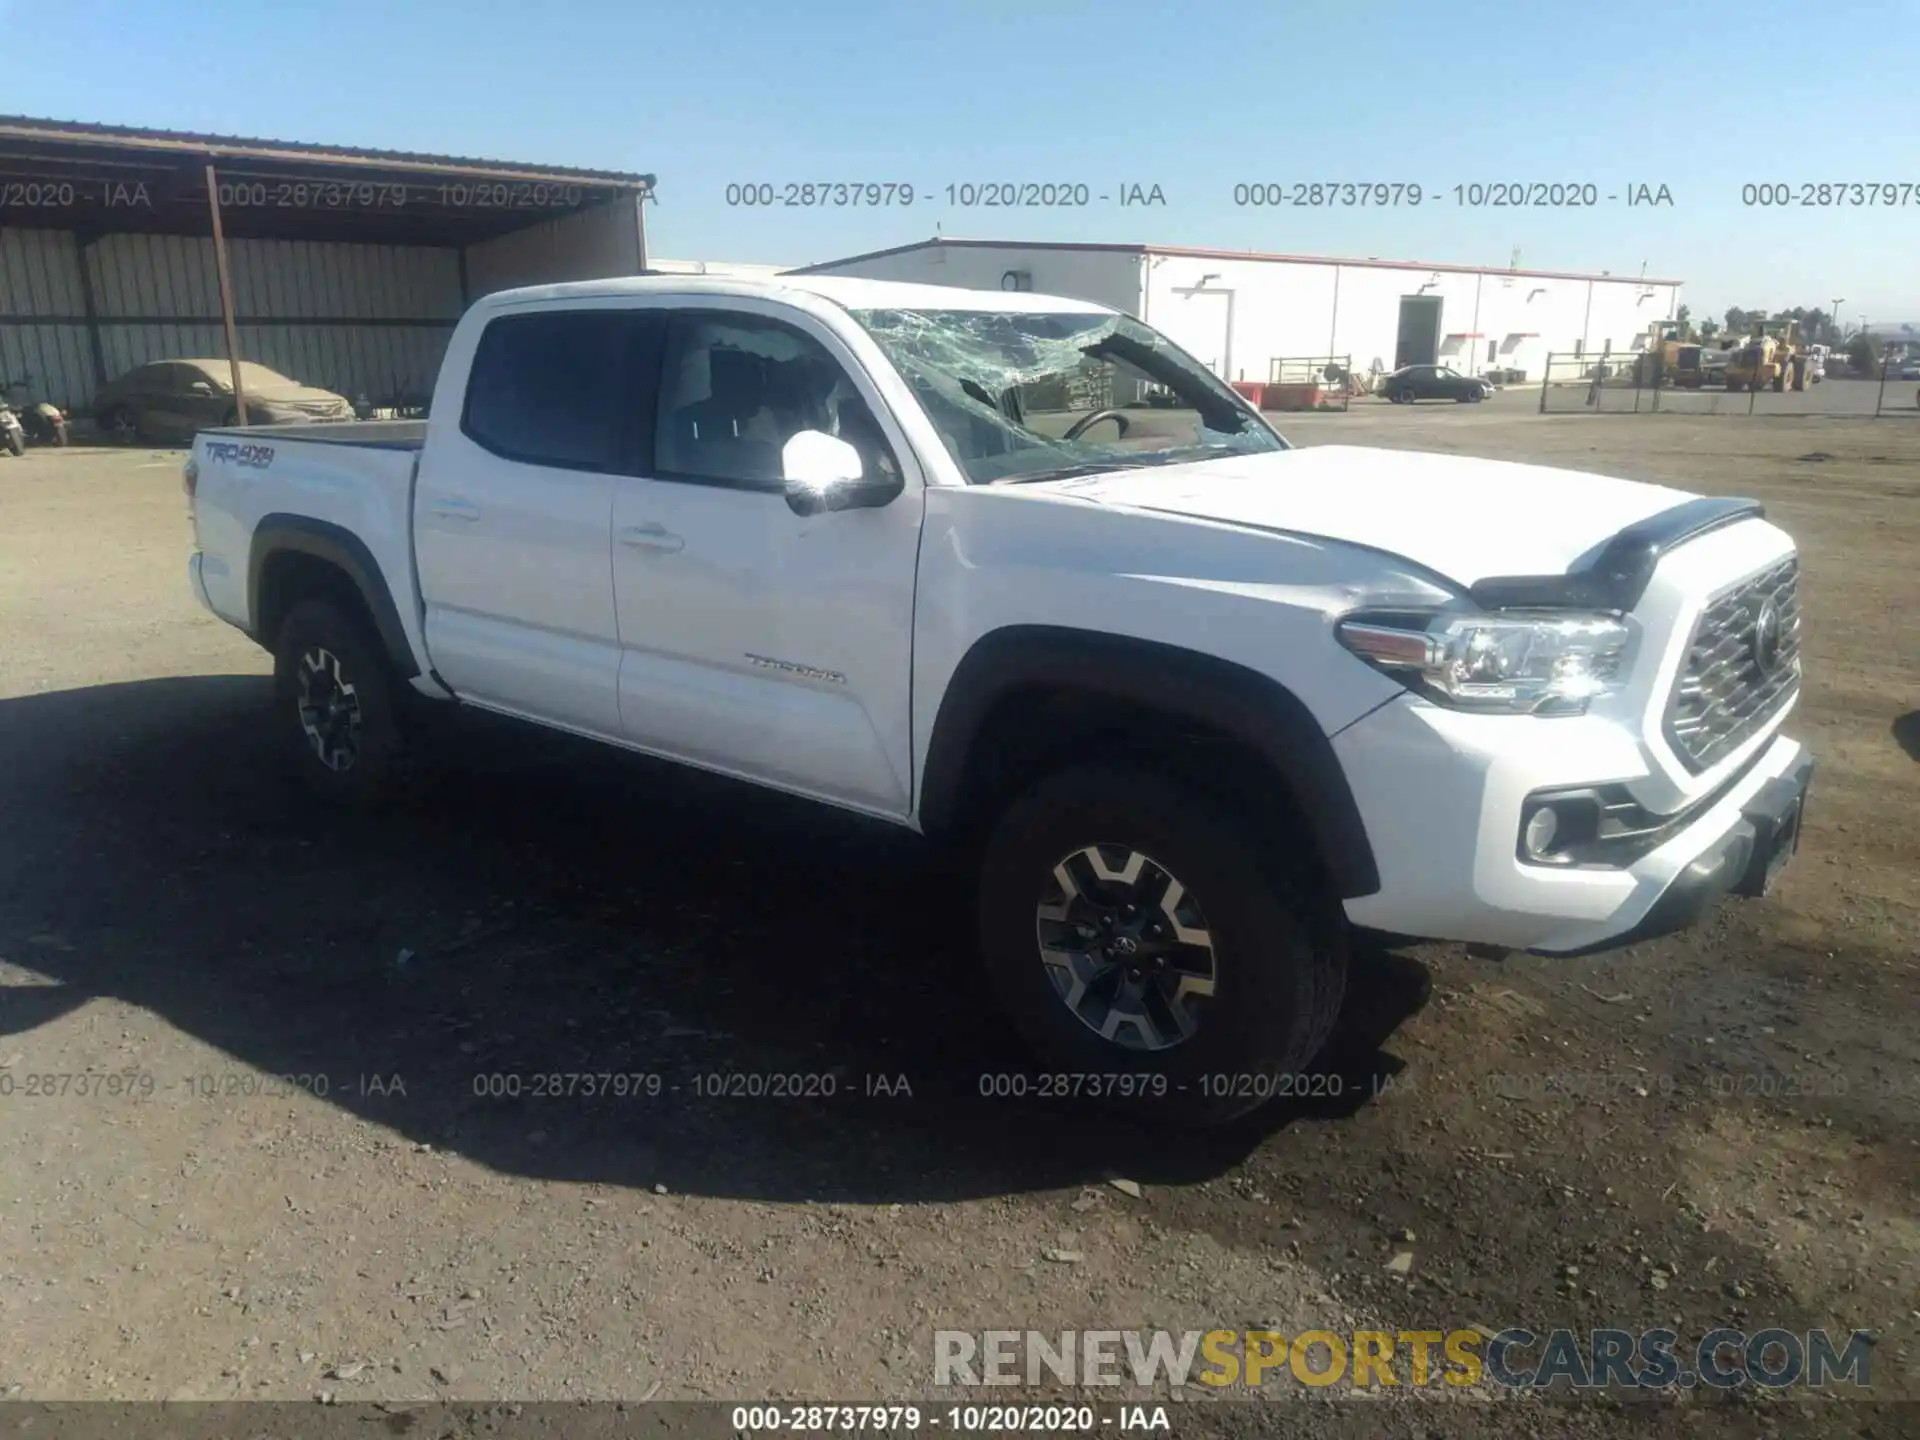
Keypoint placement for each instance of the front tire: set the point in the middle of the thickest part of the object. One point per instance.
(1137, 935)
(121, 426)
(16, 442)
(335, 706)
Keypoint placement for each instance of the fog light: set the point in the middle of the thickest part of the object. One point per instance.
(1540, 832)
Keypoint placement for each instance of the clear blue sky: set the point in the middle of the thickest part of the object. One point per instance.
(1194, 97)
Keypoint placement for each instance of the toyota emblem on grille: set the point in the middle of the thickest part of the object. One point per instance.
(1766, 638)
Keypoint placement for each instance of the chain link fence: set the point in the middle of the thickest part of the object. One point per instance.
(1637, 383)
(1899, 388)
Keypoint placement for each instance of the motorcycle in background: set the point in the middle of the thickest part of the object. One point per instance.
(12, 433)
(41, 422)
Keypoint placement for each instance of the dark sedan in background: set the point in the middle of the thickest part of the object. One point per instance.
(173, 400)
(1432, 382)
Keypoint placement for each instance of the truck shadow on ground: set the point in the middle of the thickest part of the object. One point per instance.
(547, 908)
(1906, 731)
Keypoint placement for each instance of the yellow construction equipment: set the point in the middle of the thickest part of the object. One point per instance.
(1772, 358)
(1669, 355)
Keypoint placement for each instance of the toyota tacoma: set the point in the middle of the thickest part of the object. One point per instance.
(1016, 573)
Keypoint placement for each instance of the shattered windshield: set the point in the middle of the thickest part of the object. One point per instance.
(1022, 397)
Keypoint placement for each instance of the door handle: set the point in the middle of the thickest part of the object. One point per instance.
(651, 537)
(455, 509)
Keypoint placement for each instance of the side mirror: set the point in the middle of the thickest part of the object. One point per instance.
(201, 387)
(823, 472)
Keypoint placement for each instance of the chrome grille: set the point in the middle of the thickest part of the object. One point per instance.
(1725, 694)
(322, 409)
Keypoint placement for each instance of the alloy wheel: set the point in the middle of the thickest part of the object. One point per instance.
(329, 710)
(1126, 947)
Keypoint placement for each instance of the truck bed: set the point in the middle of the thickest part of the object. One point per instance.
(351, 481)
(373, 434)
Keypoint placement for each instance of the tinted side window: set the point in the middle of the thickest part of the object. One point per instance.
(545, 388)
(735, 388)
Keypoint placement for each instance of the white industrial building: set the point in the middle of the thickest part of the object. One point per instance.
(1239, 311)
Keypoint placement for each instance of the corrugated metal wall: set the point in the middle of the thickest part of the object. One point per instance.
(370, 319)
(591, 244)
(40, 277)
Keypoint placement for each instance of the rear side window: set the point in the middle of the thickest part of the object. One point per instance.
(545, 388)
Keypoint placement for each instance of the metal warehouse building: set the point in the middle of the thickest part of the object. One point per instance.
(1242, 312)
(348, 268)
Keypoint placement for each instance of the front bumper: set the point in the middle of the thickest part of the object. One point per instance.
(1443, 794)
(1744, 861)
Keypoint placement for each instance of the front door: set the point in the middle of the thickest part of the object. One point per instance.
(511, 514)
(172, 407)
(755, 641)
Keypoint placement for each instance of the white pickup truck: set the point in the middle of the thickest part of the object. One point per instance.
(1015, 572)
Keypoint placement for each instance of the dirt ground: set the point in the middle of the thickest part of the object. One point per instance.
(1716, 1129)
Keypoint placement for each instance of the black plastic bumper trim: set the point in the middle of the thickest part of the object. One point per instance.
(1625, 832)
(1743, 862)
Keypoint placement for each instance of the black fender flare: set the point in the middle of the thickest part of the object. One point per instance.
(1253, 709)
(279, 534)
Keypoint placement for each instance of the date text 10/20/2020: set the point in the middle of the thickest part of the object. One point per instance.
(967, 194)
(1474, 195)
(258, 193)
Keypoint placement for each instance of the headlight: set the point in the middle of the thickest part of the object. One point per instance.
(1513, 663)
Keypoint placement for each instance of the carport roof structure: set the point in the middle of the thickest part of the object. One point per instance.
(100, 179)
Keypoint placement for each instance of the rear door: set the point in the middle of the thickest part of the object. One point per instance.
(757, 641)
(512, 510)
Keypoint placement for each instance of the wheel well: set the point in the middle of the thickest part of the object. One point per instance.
(289, 577)
(1034, 730)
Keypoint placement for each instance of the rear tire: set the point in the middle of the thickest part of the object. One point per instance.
(1403, 397)
(1217, 1021)
(335, 705)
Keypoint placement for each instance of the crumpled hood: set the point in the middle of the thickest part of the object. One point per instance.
(1465, 518)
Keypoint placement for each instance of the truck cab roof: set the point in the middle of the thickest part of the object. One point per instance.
(851, 292)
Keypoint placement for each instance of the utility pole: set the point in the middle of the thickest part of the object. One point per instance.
(226, 294)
